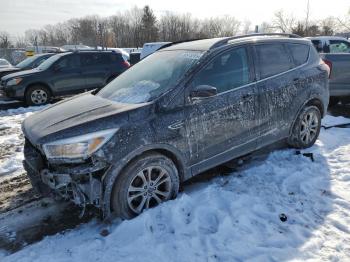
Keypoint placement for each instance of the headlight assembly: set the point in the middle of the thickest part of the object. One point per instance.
(78, 147)
(14, 81)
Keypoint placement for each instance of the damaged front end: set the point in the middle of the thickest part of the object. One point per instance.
(77, 182)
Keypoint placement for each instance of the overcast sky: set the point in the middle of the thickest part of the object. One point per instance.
(19, 15)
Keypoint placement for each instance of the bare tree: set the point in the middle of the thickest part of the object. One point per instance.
(284, 22)
(344, 22)
(5, 40)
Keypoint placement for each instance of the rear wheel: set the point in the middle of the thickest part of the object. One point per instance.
(306, 128)
(145, 183)
(37, 95)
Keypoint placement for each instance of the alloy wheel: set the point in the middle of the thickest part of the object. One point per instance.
(148, 188)
(309, 127)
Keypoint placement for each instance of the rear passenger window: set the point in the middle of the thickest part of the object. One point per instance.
(92, 59)
(300, 53)
(272, 59)
(226, 71)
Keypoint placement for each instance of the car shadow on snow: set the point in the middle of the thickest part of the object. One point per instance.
(275, 200)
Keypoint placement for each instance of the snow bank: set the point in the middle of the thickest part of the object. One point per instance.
(11, 140)
(232, 218)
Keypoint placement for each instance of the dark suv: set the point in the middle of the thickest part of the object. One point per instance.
(182, 110)
(64, 74)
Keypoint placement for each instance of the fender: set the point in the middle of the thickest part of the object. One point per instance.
(313, 96)
(113, 172)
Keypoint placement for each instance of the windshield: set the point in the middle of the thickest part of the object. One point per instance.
(48, 62)
(3, 62)
(150, 77)
(26, 62)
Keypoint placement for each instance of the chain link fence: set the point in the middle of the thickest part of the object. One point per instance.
(13, 55)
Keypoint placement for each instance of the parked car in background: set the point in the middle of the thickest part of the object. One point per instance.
(149, 48)
(335, 51)
(182, 110)
(4, 63)
(64, 74)
(28, 63)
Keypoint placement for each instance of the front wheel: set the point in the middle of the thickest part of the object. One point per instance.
(37, 95)
(145, 183)
(306, 128)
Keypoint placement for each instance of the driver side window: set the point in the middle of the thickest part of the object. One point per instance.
(226, 71)
(68, 62)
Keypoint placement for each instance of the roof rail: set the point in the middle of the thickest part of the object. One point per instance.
(225, 40)
(179, 42)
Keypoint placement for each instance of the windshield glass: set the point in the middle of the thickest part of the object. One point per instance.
(150, 77)
(26, 62)
(3, 62)
(48, 62)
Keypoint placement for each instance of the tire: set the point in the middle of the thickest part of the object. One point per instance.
(37, 95)
(306, 128)
(134, 191)
(333, 101)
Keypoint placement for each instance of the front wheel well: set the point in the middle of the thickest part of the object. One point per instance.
(172, 156)
(38, 84)
(316, 102)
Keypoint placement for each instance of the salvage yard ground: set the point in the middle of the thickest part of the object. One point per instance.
(233, 217)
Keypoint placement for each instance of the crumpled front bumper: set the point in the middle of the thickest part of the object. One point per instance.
(78, 183)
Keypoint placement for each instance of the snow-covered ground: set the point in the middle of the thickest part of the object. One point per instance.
(11, 140)
(229, 218)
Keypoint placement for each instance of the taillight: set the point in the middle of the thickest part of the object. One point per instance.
(329, 64)
(126, 64)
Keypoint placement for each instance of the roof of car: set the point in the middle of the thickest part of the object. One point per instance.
(206, 44)
(326, 38)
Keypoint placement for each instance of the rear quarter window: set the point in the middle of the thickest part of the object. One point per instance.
(272, 59)
(300, 53)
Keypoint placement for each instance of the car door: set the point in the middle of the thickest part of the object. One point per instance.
(277, 87)
(219, 126)
(67, 76)
(96, 68)
(339, 55)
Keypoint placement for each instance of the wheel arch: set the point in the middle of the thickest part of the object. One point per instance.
(314, 101)
(113, 172)
(39, 84)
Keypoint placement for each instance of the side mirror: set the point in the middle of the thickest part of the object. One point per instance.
(203, 91)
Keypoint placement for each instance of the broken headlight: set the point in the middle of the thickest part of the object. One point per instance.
(78, 147)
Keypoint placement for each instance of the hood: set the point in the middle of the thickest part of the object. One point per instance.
(80, 115)
(21, 74)
(9, 69)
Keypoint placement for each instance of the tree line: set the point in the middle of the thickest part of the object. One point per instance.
(137, 26)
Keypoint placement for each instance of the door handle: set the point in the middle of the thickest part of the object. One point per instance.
(176, 125)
